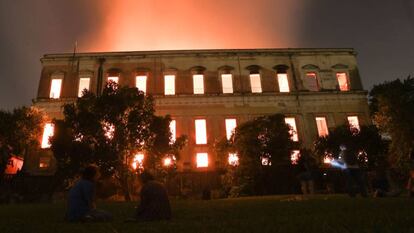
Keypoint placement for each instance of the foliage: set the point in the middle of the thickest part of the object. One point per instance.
(392, 108)
(19, 130)
(367, 140)
(264, 138)
(109, 130)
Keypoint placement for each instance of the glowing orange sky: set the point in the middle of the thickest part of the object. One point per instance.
(201, 24)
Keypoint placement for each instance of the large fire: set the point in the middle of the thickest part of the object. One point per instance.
(189, 24)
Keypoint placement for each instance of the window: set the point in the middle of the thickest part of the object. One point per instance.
(47, 133)
(173, 130)
(202, 160)
(201, 131)
(231, 124)
(342, 81)
(141, 83)
(169, 84)
(227, 83)
(322, 126)
(283, 82)
(353, 122)
(255, 83)
(114, 79)
(233, 159)
(198, 84)
(83, 84)
(311, 81)
(55, 88)
(293, 131)
(44, 162)
(138, 161)
(294, 156)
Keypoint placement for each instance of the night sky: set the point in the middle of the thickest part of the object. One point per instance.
(382, 32)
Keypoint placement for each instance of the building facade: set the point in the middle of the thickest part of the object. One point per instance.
(209, 92)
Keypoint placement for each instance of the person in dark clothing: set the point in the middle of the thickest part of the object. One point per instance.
(154, 204)
(355, 176)
(81, 200)
(305, 173)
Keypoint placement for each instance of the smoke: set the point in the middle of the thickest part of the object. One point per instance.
(202, 24)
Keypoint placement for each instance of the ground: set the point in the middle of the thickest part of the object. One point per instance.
(253, 214)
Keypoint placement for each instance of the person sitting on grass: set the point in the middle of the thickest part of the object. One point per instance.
(154, 204)
(81, 200)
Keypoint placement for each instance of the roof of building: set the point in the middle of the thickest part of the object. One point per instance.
(204, 52)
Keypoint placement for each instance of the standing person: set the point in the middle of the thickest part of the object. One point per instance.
(81, 200)
(305, 175)
(154, 204)
(355, 177)
(410, 184)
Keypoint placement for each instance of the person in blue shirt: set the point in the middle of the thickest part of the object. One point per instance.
(81, 200)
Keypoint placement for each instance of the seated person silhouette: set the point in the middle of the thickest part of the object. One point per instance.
(154, 204)
(81, 200)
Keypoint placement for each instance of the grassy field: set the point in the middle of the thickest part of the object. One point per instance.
(254, 214)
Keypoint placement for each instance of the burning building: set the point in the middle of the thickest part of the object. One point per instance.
(209, 92)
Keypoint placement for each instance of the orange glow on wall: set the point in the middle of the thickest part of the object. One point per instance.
(48, 131)
(255, 83)
(55, 88)
(293, 131)
(343, 81)
(201, 131)
(198, 83)
(294, 156)
(202, 160)
(283, 82)
(233, 159)
(141, 83)
(322, 126)
(14, 165)
(231, 124)
(138, 161)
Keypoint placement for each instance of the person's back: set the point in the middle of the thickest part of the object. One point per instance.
(154, 202)
(80, 200)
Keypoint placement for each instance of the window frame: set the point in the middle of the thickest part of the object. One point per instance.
(203, 139)
(51, 87)
(326, 124)
(348, 82)
(173, 92)
(200, 90)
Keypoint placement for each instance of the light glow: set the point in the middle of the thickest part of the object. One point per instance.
(44, 162)
(227, 83)
(311, 81)
(201, 131)
(55, 88)
(198, 83)
(114, 79)
(233, 159)
(293, 131)
(294, 157)
(322, 126)
(109, 130)
(231, 125)
(173, 130)
(342, 81)
(283, 82)
(138, 161)
(202, 160)
(266, 161)
(141, 83)
(353, 122)
(48, 132)
(255, 83)
(84, 83)
(169, 84)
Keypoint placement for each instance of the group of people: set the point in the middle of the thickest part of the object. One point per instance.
(154, 203)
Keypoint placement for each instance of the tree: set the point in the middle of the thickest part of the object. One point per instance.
(392, 108)
(365, 145)
(109, 130)
(20, 131)
(263, 145)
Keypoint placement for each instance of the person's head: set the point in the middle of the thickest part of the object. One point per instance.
(146, 177)
(91, 173)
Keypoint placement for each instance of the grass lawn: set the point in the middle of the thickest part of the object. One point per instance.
(253, 214)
